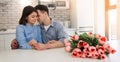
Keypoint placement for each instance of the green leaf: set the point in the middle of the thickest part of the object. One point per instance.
(92, 41)
(106, 53)
(73, 44)
(76, 33)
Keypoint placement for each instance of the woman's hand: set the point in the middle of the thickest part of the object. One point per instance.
(39, 46)
(32, 42)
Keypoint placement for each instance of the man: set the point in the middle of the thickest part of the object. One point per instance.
(53, 33)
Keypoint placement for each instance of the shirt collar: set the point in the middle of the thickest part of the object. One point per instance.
(28, 24)
(52, 24)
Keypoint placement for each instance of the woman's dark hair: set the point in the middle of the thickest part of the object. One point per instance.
(26, 12)
(42, 8)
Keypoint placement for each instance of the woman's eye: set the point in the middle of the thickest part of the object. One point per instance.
(33, 16)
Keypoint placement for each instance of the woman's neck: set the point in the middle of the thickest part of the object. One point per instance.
(30, 24)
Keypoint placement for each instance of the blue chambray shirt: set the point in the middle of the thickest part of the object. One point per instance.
(54, 32)
(25, 33)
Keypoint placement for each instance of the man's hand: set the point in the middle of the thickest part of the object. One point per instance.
(14, 44)
(54, 44)
(39, 46)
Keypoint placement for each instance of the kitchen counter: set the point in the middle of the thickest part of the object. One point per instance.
(50, 55)
(6, 36)
(8, 31)
(13, 31)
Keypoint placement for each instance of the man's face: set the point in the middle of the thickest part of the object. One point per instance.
(41, 16)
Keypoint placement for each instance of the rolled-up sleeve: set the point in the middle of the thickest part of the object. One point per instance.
(61, 33)
(20, 36)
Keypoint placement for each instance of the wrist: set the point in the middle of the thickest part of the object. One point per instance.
(47, 46)
(32, 42)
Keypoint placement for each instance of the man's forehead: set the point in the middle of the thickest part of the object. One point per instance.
(38, 11)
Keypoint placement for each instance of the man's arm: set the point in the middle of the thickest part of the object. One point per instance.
(54, 44)
(51, 44)
(61, 35)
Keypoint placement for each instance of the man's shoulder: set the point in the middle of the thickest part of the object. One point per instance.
(56, 24)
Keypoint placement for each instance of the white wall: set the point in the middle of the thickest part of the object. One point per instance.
(118, 19)
(11, 10)
(99, 23)
(73, 13)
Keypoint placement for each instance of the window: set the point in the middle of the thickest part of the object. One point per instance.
(110, 19)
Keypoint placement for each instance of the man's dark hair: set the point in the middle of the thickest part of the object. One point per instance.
(42, 8)
(26, 12)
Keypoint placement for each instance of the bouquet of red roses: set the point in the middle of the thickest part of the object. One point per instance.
(88, 45)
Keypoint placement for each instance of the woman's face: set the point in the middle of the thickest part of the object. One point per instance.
(32, 18)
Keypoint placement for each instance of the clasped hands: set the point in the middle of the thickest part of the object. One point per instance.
(39, 46)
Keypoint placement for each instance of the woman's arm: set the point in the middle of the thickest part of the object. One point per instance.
(20, 37)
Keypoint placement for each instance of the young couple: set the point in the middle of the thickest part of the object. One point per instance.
(49, 34)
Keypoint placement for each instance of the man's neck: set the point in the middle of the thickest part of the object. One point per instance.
(47, 22)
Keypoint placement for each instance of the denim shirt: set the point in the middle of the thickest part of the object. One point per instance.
(25, 33)
(54, 32)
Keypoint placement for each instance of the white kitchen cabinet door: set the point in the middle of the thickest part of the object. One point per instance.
(82, 13)
(8, 39)
(2, 42)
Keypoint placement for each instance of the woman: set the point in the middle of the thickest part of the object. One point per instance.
(26, 31)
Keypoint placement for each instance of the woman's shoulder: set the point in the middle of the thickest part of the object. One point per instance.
(20, 26)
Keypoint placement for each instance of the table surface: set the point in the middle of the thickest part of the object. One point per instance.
(51, 55)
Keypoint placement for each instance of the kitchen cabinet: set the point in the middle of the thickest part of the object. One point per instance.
(70, 31)
(5, 39)
(82, 15)
(1, 42)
